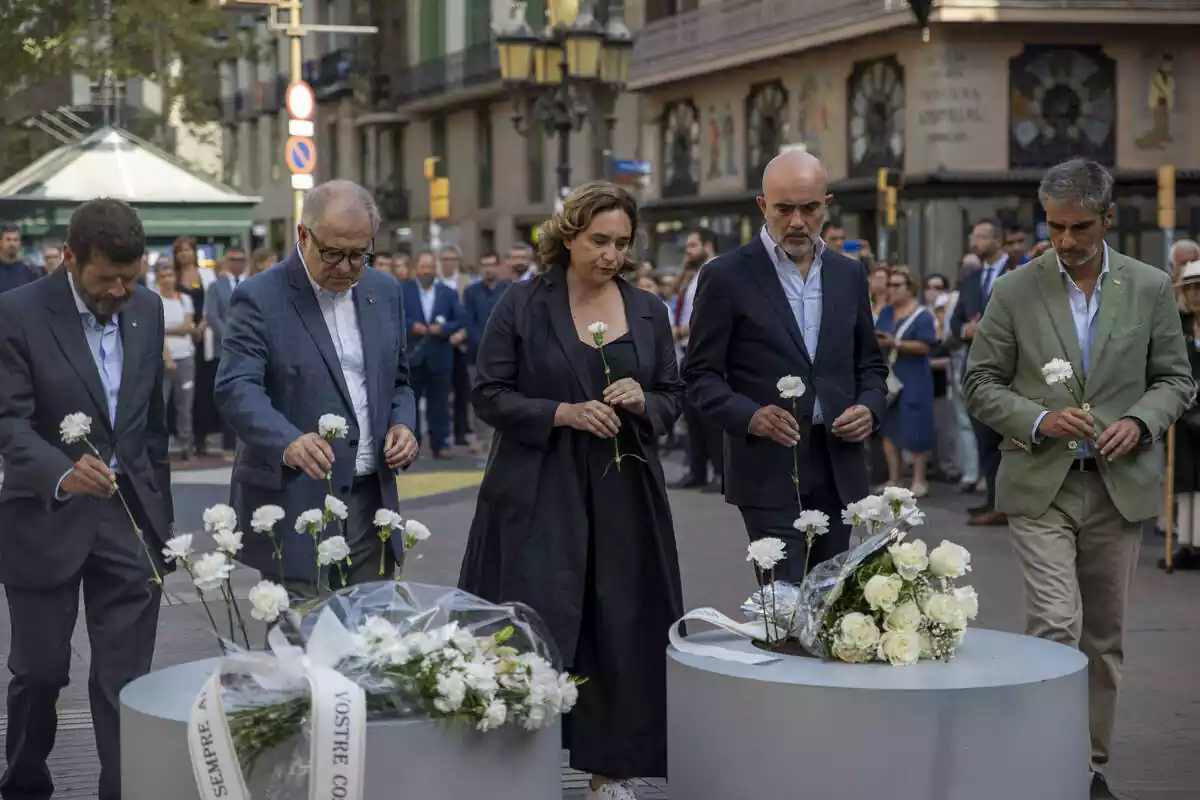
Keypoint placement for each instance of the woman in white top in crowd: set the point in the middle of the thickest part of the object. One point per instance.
(179, 383)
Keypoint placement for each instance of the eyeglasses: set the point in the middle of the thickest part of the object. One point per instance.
(898, 284)
(333, 257)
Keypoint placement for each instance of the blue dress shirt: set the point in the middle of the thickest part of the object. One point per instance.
(803, 295)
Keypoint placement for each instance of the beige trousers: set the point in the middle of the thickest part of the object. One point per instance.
(1077, 561)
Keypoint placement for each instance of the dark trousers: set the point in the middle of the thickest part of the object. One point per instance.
(988, 443)
(704, 441)
(461, 384)
(121, 609)
(818, 490)
(435, 388)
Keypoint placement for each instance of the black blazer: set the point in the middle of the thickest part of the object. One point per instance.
(46, 373)
(744, 338)
(971, 304)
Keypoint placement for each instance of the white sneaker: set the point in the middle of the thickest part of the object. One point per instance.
(617, 790)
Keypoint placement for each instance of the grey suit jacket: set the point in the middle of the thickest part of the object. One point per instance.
(279, 372)
(216, 309)
(46, 373)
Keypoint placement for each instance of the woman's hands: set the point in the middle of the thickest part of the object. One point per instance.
(591, 417)
(627, 394)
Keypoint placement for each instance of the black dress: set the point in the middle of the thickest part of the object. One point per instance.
(558, 527)
(1187, 434)
(205, 419)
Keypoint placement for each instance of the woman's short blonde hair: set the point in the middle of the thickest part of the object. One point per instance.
(579, 209)
(908, 276)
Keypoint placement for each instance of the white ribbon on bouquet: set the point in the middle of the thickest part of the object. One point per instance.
(338, 717)
(746, 630)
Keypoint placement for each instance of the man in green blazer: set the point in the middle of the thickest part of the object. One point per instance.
(1078, 474)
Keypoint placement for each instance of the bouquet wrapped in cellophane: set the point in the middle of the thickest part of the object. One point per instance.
(406, 650)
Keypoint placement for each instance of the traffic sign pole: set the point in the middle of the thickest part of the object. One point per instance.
(296, 34)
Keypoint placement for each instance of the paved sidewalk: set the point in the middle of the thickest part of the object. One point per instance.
(1158, 736)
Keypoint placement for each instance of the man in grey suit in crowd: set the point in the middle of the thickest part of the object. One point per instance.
(85, 339)
(216, 311)
(321, 334)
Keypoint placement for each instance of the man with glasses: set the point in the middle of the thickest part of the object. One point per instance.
(320, 334)
(787, 305)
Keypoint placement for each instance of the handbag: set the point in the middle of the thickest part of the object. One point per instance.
(894, 384)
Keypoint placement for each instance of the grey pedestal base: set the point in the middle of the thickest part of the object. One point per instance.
(1006, 719)
(423, 759)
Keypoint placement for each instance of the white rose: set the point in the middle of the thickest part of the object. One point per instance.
(790, 387)
(812, 523)
(845, 652)
(332, 426)
(265, 518)
(598, 329)
(904, 618)
(1057, 370)
(386, 518)
(229, 542)
(210, 570)
(219, 518)
(949, 560)
(968, 601)
(267, 601)
(310, 521)
(75, 427)
(766, 553)
(882, 592)
(332, 550)
(945, 609)
(858, 631)
(900, 648)
(178, 548)
(909, 558)
(493, 716)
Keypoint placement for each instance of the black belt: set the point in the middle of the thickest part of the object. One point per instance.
(362, 480)
(1084, 465)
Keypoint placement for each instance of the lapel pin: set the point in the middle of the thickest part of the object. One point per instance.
(371, 299)
(134, 323)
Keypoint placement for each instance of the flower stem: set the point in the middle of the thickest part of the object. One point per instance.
(240, 620)
(796, 461)
(762, 592)
(200, 593)
(383, 559)
(136, 530)
(608, 382)
(341, 576)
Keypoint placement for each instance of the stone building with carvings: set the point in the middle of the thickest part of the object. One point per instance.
(970, 118)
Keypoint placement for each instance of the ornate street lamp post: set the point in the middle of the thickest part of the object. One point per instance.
(565, 75)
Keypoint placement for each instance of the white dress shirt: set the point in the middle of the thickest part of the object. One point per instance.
(803, 295)
(342, 321)
(428, 298)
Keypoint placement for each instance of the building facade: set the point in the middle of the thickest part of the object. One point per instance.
(969, 119)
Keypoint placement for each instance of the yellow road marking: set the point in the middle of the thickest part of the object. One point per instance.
(426, 484)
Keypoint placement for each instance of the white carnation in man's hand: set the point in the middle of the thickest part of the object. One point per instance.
(332, 426)
(900, 648)
(265, 518)
(336, 508)
(882, 592)
(310, 521)
(1057, 370)
(267, 601)
(219, 518)
(909, 558)
(228, 542)
(790, 387)
(766, 553)
(905, 618)
(949, 560)
(210, 570)
(968, 601)
(332, 550)
(179, 548)
(75, 427)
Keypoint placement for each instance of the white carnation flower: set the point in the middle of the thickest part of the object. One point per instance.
(267, 601)
(452, 690)
(75, 427)
(968, 601)
(766, 553)
(868, 511)
(415, 531)
(219, 518)
(480, 677)
(812, 522)
(882, 592)
(493, 716)
(898, 494)
(598, 329)
(310, 521)
(1057, 370)
(386, 518)
(945, 609)
(949, 560)
(210, 570)
(228, 542)
(900, 648)
(336, 507)
(858, 632)
(265, 518)
(790, 387)
(904, 618)
(179, 548)
(909, 558)
(332, 426)
(332, 550)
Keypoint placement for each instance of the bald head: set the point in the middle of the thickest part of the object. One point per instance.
(795, 195)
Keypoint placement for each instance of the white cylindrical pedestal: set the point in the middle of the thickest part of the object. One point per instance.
(427, 759)
(1007, 718)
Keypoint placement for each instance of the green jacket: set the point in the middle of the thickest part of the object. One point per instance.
(1139, 369)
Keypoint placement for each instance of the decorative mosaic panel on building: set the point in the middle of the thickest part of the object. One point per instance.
(875, 116)
(1062, 106)
(766, 127)
(680, 149)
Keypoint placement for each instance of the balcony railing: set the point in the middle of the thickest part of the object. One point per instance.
(473, 66)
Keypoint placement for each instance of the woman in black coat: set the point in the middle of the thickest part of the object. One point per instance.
(1187, 433)
(561, 525)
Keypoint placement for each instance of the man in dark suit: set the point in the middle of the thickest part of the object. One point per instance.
(320, 334)
(973, 296)
(85, 340)
(434, 317)
(787, 305)
(478, 301)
